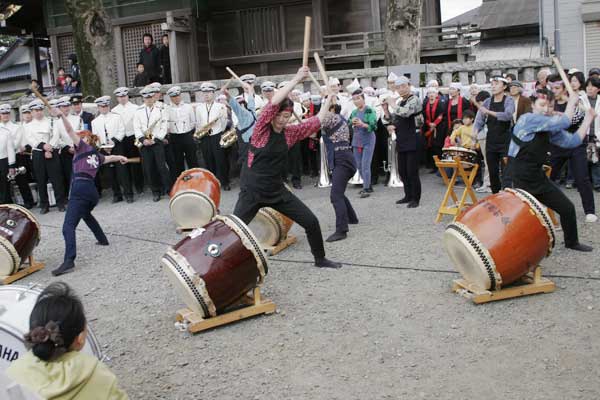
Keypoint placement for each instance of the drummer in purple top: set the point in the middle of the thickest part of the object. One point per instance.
(83, 194)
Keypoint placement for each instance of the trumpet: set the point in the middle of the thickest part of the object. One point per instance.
(228, 138)
(147, 134)
(18, 171)
(205, 130)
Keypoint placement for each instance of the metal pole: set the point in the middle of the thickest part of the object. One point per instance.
(556, 30)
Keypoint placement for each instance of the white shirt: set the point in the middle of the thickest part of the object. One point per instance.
(108, 127)
(145, 117)
(206, 113)
(59, 129)
(182, 118)
(126, 112)
(41, 131)
(7, 149)
(16, 134)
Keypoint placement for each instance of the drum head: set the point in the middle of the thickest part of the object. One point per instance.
(265, 228)
(470, 258)
(16, 304)
(9, 258)
(192, 209)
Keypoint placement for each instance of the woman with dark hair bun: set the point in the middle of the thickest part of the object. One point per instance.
(54, 368)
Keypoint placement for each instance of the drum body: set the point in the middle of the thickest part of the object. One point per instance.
(448, 154)
(19, 234)
(16, 303)
(195, 198)
(500, 239)
(270, 226)
(216, 265)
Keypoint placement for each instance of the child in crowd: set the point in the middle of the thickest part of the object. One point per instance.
(462, 135)
(141, 77)
(55, 368)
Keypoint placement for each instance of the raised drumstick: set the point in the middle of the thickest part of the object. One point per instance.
(312, 78)
(237, 78)
(307, 21)
(42, 98)
(321, 68)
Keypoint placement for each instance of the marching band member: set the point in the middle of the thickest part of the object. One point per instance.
(250, 79)
(364, 123)
(126, 109)
(84, 196)
(212, 115)
(7, 156)
(182, 124)
(150, 127)
(267, 89)
(261, 179)
(110, 129)
(310, 145)
(401, 117)
(77, 109)
(531, 141)
(156, 89)
(18, 142)
(67, 148)
(46, 162)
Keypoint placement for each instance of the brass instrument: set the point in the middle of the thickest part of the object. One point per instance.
(205, 130)
(228, 138)
(18, 171)
(324, 180)
(392, 164)
(147, 133)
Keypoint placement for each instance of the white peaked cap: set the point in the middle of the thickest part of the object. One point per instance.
(392, 77)
(354, 86)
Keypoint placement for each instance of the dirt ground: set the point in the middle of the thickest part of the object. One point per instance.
(385, 326)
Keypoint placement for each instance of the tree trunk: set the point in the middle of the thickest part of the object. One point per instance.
(402, 32)
(92, 32)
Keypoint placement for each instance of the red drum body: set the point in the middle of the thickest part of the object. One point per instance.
(500, 239)
(466, 155)
(216, 265)
(270, 226)
(195, 198)
(19, 234)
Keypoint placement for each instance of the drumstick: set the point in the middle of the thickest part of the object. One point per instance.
(237, 78)
(42, 98)
(321, 68)
(134, 160)
(312, 77)
(307, 21)
(567, 82)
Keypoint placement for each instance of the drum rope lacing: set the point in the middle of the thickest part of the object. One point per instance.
(189, 282)
(257, 249)
(476, 246)
(540, 212)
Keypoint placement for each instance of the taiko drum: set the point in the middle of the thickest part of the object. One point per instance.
(270, 226)
(195, 198)
(19, 235)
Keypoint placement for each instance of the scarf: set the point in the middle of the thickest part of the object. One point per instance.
(459, 113)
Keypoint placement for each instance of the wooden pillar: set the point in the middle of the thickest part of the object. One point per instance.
(529, 75)
(317, 24)
(463, 77)
(376, 16)
(480, 77)
(175, 75)
(446, 79)
(120, 57)
(54, 54)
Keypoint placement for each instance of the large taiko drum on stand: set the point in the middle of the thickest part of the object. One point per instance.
(195, 198)
(19, 234)
(16, 304)
(215, 266)
(500, 239)
(270, 226)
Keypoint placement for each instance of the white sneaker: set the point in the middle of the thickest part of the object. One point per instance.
(484, 189)
(591, 218)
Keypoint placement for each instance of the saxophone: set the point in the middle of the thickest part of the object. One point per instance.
(147, 133)
(228, 138)
(205, 130)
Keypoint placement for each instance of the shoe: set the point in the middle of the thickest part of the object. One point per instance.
(297, 185)
(569, 185)
(226, 188)
(361, 191)
(325, 263)
(369, 190)
(102, 243)
(591, 218)
(413, 204)
(61, 208)
(477, 185)
(403, 201)
(484, 189)
(336, 236)
(29, 206)
(364, 195)
(44, 210)
(580, 247)
(117, 199)
(353, 222)
(64, 268)
(156, 197)
(129, 199)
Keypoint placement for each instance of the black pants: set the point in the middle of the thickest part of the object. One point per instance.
(49, 169)
(495, 164)
(559, 202)
(119, 174)
(135, 169)
(578, 165)
(170, 158)
(380, 153)
(155, 167)
(310, 160)
(408, 168)
(344, 169)
(215, 157)
(184, 151)
(295, 163)
(22, 181)
(66, 163)
(5, 197)
(290, 206)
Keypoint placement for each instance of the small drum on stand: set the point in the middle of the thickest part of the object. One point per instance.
(16, 304)
(195, 198)
(500, 239)
(19, 235)
(270, 227)
(215, 266)
(466, 155)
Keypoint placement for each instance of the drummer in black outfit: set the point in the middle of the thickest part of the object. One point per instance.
(261, 180)
(531, 141)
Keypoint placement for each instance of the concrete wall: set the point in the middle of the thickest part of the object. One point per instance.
(571, 31)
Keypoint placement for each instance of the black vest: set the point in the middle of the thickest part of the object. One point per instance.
(498, 135)
(406, 130)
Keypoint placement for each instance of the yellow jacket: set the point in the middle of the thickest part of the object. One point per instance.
(465, 136)
(73, 376)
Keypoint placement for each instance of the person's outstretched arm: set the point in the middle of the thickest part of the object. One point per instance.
(68, 128)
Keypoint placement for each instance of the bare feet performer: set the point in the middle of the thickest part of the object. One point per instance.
(261, 181)
(531, 141)
(83, 195)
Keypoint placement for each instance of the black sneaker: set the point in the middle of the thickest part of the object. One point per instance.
(297, 185)
(413, 204)
(66, 267)
(156, 197)
(369, 190)
(44, 210)
(99, 243)
(405, 200)
(336, 236)
(325, 263)
(580, 247)
(129, 199)
(61, 208)
(117, 199)
(353, 222)
(364, 195)
(29, 206)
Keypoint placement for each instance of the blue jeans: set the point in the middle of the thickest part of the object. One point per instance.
(82, 201)
(363, 159)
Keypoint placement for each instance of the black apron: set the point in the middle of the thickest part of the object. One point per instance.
(527, 168)
(498, 135)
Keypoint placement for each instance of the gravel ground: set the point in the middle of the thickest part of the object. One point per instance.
(384, 327)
